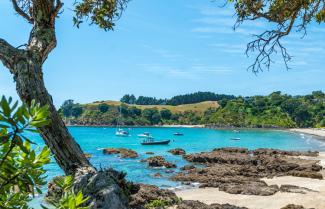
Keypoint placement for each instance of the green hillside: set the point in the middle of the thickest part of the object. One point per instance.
(200, 107)
(274, 110)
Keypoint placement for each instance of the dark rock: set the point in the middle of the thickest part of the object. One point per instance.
(295, 189)
(123, 152)
(232, 149)
(266, 151)
(191, 204)
(187, 167)
(177, 151)
(157, 175)
(239, 171)
(249, 188)
(105, 188)
(159, 161)
(148, 193)
(110, 151)
(292, 206)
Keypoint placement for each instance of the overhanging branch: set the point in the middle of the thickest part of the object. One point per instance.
(8, 53)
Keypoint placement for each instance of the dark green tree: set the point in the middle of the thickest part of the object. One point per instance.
(103, 108)
(166, 114)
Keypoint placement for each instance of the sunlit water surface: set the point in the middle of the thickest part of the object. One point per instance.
(93, 139)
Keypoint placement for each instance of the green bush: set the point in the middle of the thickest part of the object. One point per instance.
(21, 165)
(156, 204)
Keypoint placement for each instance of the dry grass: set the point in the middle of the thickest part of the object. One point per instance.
(197, 107)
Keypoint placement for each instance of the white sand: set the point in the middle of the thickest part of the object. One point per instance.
(182, 126)
(320, 132)
(310, 200)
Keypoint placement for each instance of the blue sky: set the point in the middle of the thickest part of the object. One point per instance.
(163, 48)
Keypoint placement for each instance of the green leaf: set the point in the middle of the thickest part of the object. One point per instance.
(5, 107)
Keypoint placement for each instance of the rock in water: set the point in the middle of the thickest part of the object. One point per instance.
(159, 161)
(177, 151)
(123, 152)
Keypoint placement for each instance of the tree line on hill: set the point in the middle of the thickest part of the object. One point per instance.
(176, 100)
(274, 110)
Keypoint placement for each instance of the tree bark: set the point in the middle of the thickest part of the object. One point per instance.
(104, 188)
(26, 67)
(30, 85)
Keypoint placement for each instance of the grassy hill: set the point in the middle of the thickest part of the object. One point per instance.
(274, 110)
(200, 107)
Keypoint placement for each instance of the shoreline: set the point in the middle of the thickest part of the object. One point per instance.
(315, 198)
(149, 126)
(318, 132)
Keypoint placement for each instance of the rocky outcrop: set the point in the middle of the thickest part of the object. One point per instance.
(157, 175)
(191, 204)
(123, 152)
(159, 161)
(295, 189)
(177, 151)
(187, 167)
(239, 171)
(105, 189)
(148, 193)
(265, 151)
(292, 206)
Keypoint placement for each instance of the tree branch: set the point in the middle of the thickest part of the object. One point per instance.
(8, 53)
(21, 12)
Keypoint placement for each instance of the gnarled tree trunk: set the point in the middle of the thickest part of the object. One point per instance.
(102, 187)
(26, 66)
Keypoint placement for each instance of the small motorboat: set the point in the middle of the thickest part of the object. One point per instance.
(145, 135)
(153, 142)
(121, 132)
(235, 139)
(178, 134)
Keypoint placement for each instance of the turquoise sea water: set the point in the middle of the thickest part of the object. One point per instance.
(93, 139)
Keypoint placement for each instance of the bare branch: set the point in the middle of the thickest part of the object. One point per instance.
(21, 12)
(285, 15)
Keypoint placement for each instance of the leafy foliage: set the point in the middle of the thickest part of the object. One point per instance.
(274, 110)
(176, 100)
(156, 204)
(69, 199)
(100, 12)
(69, 109)
(21, 166)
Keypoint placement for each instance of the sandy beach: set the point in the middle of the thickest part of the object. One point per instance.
(319, 132)
(312, 199)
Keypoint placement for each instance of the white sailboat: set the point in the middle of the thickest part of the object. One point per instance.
(120, 131)
(145, 135)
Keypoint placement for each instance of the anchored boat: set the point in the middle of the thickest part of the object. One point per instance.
(178, 134)
(145, 135)
(153, 142)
